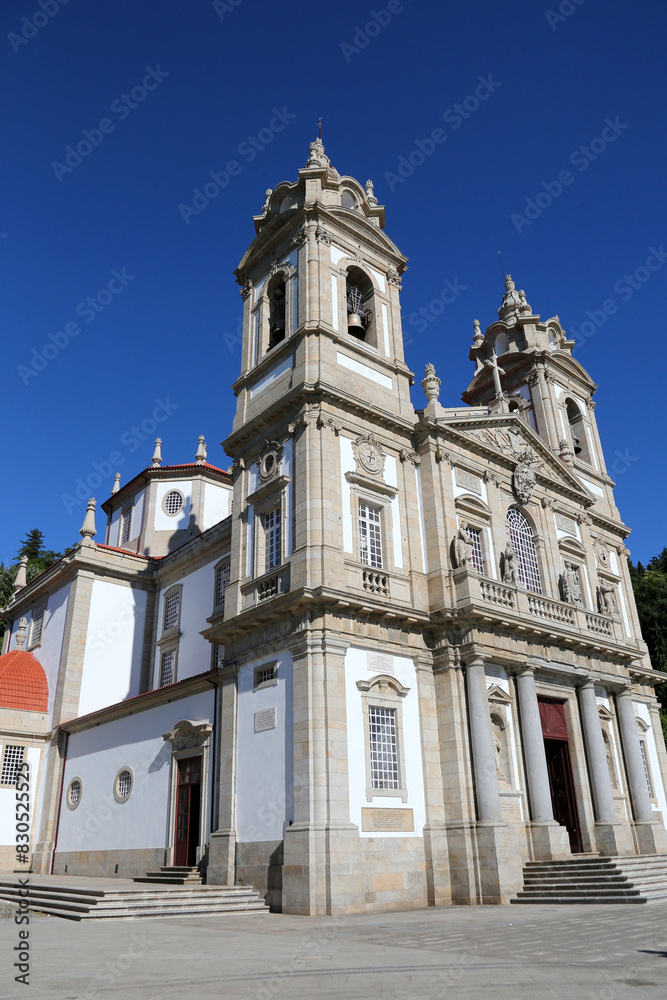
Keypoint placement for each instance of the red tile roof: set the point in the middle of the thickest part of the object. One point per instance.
(125, 552)
(23, 683)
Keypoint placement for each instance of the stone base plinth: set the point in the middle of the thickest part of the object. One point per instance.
(613, 839)
(499, 863)
(221, 864)
(649, 838)
(548, 841)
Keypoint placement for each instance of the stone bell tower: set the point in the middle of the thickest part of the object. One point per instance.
(325, 529)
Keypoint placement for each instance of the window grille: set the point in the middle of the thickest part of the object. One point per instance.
(125, 525)
(383, 747)
(264, 674)
(646, 771)
(167, 668)
(272, 539)
(221, 583)
(477, 558)
(172, 502)
(521, 537)
(123, 784)
(171, 608)
(37, 625)
(370, 535)
(12, 760)
(75, 793)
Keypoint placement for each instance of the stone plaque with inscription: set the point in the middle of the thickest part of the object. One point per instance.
(381, 662)
(387, 820)
(566, 524)
(266, 719)
(468, 482)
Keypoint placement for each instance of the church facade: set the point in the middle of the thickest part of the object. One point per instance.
(384, 660)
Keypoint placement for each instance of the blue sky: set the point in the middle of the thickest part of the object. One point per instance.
(212, 76)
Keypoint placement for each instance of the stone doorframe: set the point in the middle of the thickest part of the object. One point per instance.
(189, 739)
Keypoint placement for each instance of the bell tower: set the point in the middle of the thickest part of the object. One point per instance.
(526, 365)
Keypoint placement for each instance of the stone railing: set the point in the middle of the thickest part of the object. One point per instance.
(375, 583)
(600, 624)
(497, 593)
(554, 611)
(266, 587)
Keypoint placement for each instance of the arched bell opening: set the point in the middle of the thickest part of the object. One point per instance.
(577, 431)
(277, 299)
(360, 313)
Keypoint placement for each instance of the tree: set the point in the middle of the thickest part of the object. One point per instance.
(650, 587)
(39, 559)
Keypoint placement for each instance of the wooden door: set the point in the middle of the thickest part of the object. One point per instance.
(559, 766)
(186, 838)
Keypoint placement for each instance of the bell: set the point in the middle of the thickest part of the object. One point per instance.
(354, 319)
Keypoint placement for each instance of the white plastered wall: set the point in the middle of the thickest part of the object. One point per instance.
(166, 522)
(99, 823)
(114, 641)
(8, 829)
(216, 504)
(649, 737)
(194, 652)
(497, 676)
(356, 669)
(49, 650)
(264, 776)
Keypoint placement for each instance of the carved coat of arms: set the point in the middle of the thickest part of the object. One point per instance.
(523, 482)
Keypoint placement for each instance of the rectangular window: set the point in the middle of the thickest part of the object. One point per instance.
(267, 674)
(171, 608)
(125, 525)
(272, 539)
(370, 535)
(11, 761)
(646, 771)
(37, 625)
(221, 582)
(383, 747)
(477, 558)
(167, 665)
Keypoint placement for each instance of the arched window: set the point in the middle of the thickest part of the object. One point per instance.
(276, 297)
(521, 537)
(359, 296)
(348, 200)
(577, 431)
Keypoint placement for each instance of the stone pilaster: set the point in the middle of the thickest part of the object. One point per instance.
(608, 832)
(435, 836)
(221, 869)
(549, 839)
(649, 836)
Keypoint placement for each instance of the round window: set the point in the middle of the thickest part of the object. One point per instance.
(74, 793)
(123, 784)
(173, 502)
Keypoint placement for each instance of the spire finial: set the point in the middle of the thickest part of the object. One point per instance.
(200, 457)
(88, 529)
(116, 484)
(431, 384)
(21, 633)
(319, 125)
(21, 579)
(157, 454)
(370, 193)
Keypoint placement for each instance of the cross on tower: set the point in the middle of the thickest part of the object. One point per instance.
(492, 363)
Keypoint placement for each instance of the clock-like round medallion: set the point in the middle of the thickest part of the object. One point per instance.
(370, 457)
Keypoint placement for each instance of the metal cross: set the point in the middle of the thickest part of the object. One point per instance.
(497, 372)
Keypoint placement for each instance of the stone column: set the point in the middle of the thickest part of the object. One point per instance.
(608, 833)
(483, 750)
(438, 881)
(549, 838)
(221, 868)
(650, 837)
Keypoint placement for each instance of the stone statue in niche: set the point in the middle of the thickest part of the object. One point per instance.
(509, 565)
(462, 546)
(607, 597)
(571, 584)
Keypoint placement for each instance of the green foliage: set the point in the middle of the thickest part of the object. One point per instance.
(650, 586)
(39, 559)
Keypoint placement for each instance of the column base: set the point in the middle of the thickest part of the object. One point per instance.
(321, 869)
(499, 864)
(438, 881)
(613, 839)
(549, 841)
(650, 837)
(221, 867)
(42, 857)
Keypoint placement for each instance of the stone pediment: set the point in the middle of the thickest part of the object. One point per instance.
(512, 442)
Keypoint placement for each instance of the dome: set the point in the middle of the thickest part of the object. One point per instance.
(23, 683)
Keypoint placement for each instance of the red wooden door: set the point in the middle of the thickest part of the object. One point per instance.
(559, 766)
(187, 811)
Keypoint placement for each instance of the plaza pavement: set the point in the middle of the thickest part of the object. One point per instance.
(508, 952)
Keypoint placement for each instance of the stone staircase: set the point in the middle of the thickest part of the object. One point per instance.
(593, 879)
(173, 875)
(78, 898)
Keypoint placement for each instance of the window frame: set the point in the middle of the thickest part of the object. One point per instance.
(12, 746)
(176, 513)
(277, 510)
(167, 651)
(68, 800)
(225, 562)
(379, 508)
(116, 793)
(262, 668)
(384, 691)
(35, 643)
(170, 592)
(128, 511)
(518, 548)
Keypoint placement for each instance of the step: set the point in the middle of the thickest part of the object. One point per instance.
(560, 900)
